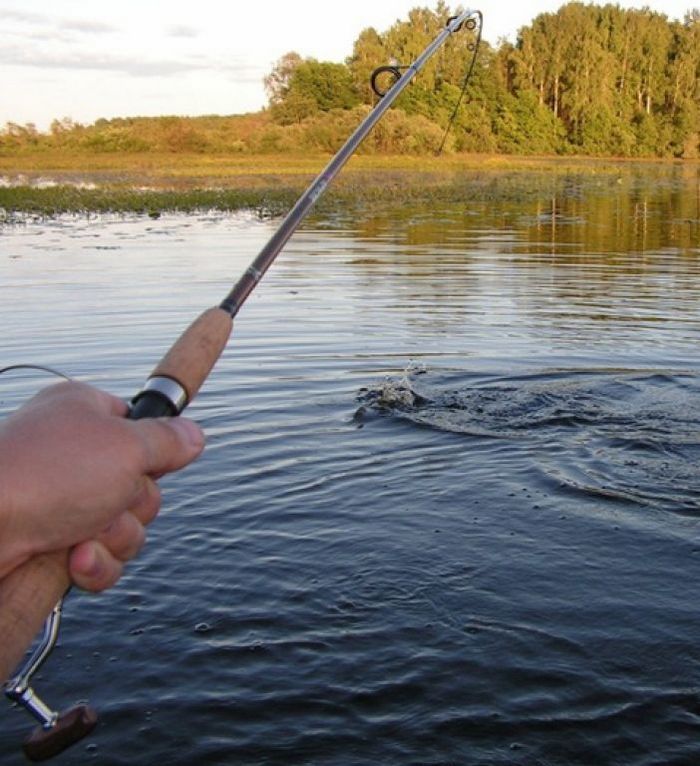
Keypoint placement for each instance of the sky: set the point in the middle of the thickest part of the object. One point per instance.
(84, 59)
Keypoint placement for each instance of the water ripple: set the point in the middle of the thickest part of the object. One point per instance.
(621, 434)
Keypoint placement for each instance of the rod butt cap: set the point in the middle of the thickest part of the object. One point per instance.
(71, 726)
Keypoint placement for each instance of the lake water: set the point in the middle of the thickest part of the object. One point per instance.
(449, 509)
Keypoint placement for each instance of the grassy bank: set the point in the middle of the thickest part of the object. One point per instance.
(191, 169)
(51, 183)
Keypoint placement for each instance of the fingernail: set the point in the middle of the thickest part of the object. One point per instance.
(93, 565)
(189, 431)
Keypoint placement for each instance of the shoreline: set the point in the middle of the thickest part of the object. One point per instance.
(191, 166)
(49, 184)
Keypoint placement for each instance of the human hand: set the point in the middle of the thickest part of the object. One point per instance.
(75, 473)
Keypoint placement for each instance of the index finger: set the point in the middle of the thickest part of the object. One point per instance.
(74, 393)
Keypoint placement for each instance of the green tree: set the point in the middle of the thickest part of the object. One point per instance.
(368, 53)
(522, 126)
(277, 82)
(613, 76)
(314, 86)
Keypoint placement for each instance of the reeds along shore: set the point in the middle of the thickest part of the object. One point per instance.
(45, 186)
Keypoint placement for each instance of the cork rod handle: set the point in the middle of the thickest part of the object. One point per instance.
(191, 358)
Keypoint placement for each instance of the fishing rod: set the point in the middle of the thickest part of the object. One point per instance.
(37, 587)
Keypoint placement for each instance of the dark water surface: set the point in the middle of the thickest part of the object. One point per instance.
(448, 513)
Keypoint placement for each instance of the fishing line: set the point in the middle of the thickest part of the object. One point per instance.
(39, 367)
(474, 47)
(394, 71)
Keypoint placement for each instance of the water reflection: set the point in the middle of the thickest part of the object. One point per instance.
(615, 214)
(609, 251)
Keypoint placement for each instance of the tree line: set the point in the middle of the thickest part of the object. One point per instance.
(587, 79)
(590, 79)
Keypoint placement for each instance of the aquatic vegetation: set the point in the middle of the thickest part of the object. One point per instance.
(269, 186)
(21, 201)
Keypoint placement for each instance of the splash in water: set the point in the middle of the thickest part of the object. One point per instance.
(627, 435)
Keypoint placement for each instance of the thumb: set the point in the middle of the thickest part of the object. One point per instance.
(169, 443)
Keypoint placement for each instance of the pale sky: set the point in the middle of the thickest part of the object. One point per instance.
(86, 59)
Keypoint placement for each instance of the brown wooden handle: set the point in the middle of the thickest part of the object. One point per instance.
(27, 596)
(194, 353)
